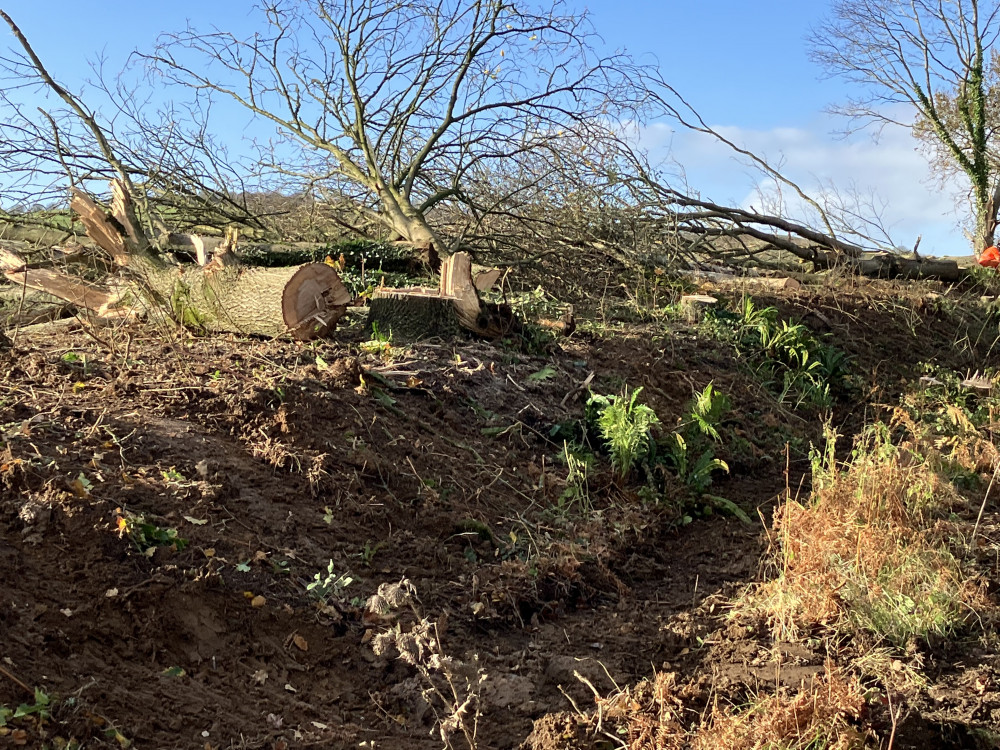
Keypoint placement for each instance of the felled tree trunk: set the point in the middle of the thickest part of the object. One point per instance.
(893, 266)
(302, 301)
(420, 312)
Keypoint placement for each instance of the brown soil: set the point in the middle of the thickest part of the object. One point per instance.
(272, 459)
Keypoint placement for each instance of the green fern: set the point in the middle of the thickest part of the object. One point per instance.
(624, 426)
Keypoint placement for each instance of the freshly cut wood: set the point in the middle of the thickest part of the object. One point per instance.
(313, 300)
(783, 283)
(485, 280)
(420, 312)
(694, 306)
(75, 291)
(458, 286)
(303, 302)
(102, 228)
(300, 301)
(746, 276)
(564, 325)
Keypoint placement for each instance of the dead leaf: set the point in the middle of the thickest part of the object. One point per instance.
(300, 643)
(258, 601)
(80, 486)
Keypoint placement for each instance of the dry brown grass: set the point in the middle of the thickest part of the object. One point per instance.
(869, 552)
(822, 714)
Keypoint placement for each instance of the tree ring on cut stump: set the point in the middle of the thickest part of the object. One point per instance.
(313, 300)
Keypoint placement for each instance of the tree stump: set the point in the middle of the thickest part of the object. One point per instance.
(419, 312)
(694, 306)
(413, 314)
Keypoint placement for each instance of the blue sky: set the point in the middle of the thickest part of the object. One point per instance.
(743, 65)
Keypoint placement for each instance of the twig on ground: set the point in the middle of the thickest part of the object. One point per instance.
(17, 682)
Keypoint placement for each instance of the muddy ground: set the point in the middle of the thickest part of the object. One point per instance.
(438, 464)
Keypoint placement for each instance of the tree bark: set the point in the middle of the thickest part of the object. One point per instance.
(416, 313)
(303, 302)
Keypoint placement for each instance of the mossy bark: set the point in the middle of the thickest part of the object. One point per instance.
(410, 317)
(246, 300)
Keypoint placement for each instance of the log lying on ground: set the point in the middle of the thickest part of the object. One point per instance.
(890, 266)
(421, 312)
(301, 301)
(20, 307)
(746, 276)
(881, 265)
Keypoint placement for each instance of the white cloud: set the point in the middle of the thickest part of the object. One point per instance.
(891, 170)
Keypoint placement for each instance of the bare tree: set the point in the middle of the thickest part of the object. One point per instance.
(929, 58)
(403, 101)
(170, 165)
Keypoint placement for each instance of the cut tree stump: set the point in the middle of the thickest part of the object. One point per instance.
(412, 314)
(420, 312)
(694, 306)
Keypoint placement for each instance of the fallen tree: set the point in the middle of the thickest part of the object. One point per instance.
(220, 294)
(303, 301)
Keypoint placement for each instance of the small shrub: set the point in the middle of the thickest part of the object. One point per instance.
(689, 451)
(625, 428)
(955, 424)
(694, 468)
